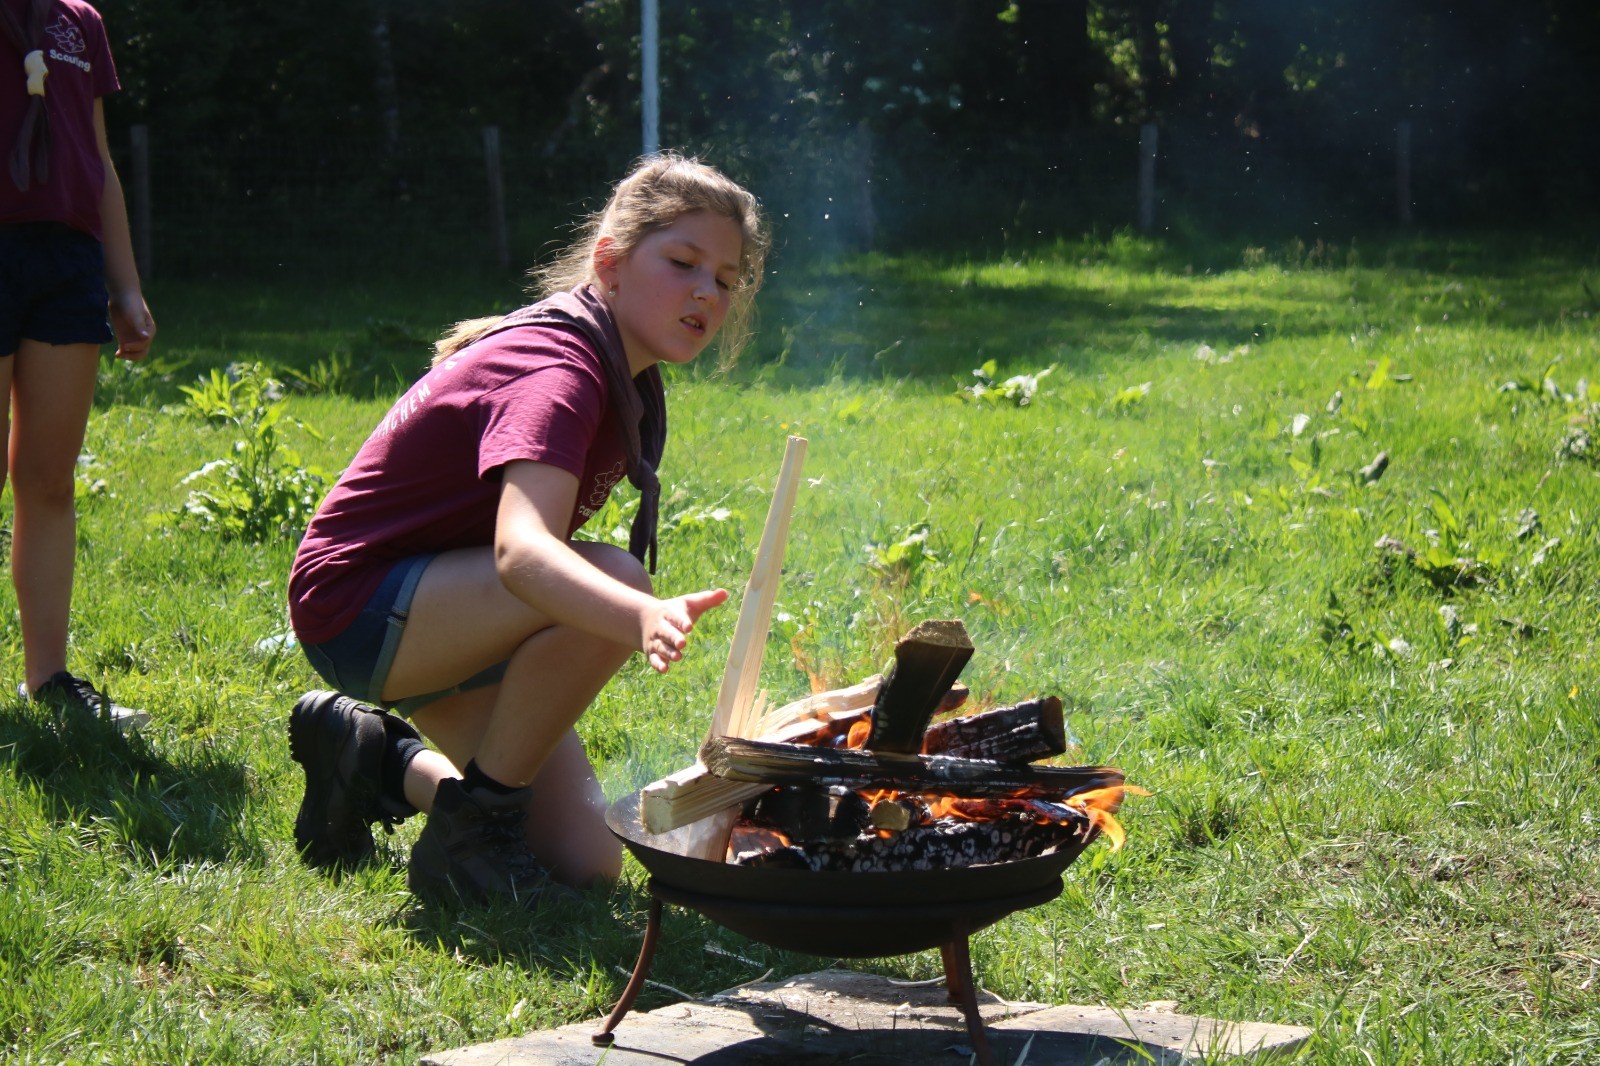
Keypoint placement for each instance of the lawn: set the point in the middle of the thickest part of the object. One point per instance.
(1305, 537)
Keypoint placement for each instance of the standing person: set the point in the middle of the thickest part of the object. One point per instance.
(439, 578)
(65, 259)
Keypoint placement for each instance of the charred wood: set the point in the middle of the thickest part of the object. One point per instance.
(927, 661)
(943, 845)
(1022, 733)
(802, 813)
(796, 764)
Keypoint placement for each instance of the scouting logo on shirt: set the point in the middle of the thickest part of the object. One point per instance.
(67, 36)
(601, 490)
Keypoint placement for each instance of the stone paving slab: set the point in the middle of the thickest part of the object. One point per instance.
(837, 1017)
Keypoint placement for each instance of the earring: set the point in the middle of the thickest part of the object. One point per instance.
(611, 291)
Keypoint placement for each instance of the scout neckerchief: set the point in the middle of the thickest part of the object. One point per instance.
(641, 403)
(30, 156)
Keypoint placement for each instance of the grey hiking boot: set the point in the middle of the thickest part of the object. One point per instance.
(75, 696)
(473, 849)
(341, 743)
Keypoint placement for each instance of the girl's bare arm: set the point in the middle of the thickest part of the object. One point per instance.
(538, 566)
(130, 317)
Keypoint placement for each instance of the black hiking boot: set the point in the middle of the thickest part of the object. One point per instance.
(341, 743)
(473, 849)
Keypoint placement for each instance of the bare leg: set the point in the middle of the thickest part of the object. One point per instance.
(52, 389)
(463, 620)
(566, 824)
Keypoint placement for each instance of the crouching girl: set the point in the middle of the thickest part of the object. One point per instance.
(438, 588)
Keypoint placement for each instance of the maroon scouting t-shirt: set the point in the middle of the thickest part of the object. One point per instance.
(428, 479)
(80, 71)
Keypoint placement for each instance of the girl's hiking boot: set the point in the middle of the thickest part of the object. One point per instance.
(341, 743)
(74, 696)
(473, 849)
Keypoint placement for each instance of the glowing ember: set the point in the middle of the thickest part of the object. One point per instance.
(749, 840)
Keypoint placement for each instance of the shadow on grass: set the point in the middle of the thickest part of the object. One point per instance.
(86, 773)
(566, 937)
(595, 940)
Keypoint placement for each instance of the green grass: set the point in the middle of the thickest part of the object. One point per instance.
(1374, 808)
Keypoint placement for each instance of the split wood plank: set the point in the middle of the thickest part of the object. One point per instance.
(737, 694)
(706, 837)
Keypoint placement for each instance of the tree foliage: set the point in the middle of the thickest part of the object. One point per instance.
(826, 93)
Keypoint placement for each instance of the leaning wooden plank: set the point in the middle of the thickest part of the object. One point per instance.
(706, 837)
(743, 671)
(927, 662)
(758, 761)
(1023, 732)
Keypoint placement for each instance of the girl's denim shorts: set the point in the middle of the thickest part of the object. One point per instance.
(357, 661)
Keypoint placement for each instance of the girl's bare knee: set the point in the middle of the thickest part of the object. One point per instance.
(38, 491)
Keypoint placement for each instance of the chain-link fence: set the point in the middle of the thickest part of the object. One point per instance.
(500, 201)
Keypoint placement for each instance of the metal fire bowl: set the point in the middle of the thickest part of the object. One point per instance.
(844, 915)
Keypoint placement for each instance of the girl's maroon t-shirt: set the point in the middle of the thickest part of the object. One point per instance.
(78, 59)
(428, 478)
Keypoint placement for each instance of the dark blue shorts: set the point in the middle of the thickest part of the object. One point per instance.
(52, 286)
(357, 661)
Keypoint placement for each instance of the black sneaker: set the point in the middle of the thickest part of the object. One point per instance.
(473, 849)
(74, 695)
(341, 743)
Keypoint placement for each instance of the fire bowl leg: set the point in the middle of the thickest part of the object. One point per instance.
(603, 1036)
(958, 978)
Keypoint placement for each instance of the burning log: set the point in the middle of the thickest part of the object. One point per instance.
(927, 662)
(810, 813)
(1022, 733)
(767, 763)
(822, 719)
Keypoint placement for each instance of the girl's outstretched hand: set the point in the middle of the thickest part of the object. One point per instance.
(667, 627)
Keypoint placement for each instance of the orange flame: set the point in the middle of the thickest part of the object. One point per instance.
(1101, 805)
(749, 839)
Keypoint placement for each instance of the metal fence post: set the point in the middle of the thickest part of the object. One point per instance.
(139, 192)
(499, 239)
(1402, 171)
(1148, 141)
